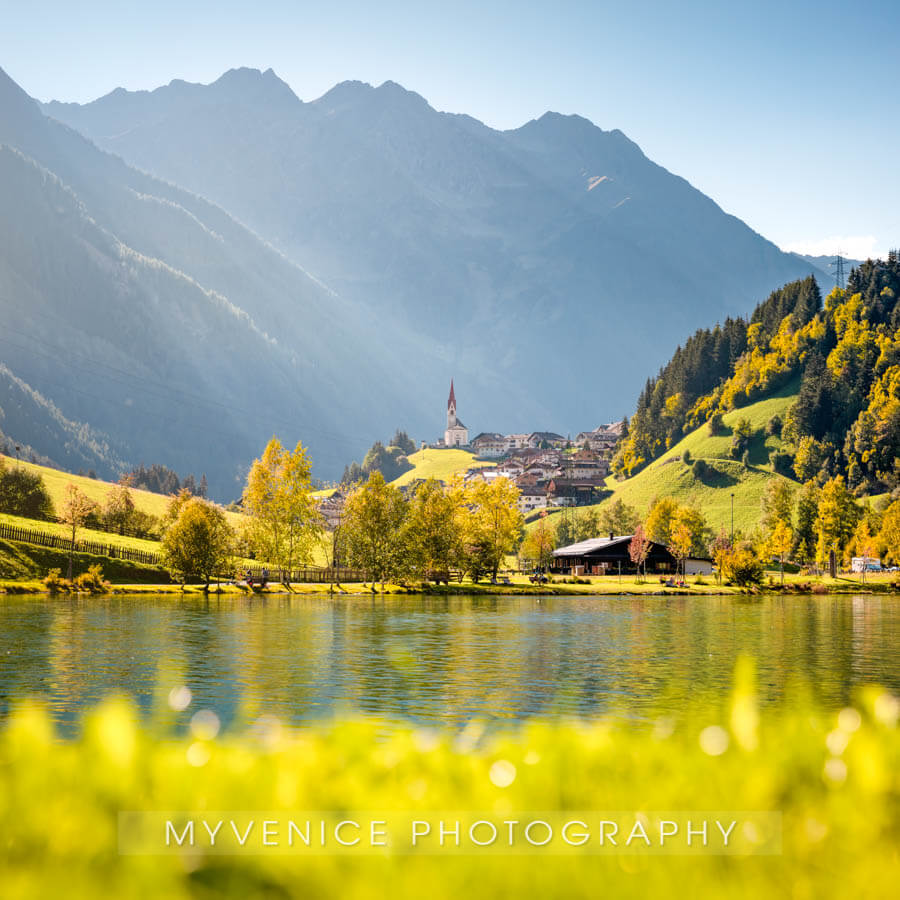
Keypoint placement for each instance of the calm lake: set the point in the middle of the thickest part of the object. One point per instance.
(438, 660)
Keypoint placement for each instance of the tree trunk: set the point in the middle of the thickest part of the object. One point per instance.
(71, 554)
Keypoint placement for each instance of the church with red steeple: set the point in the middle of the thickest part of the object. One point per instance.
(456, 435)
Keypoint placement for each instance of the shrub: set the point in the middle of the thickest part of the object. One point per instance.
(699, 469)
(92, 581)
(740, 439)
(686, 457)
(23, 493)
(145, 525)
(782, 463)
(715, 425)
(743, 566)
(54, 582)
(774, 426)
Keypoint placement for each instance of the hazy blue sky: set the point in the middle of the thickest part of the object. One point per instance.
(786, 113)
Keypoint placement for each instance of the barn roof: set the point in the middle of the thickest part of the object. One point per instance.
(583, 547)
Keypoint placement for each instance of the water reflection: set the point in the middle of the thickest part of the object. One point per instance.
(439, 659)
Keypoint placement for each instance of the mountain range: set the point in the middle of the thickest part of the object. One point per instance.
(189, 269)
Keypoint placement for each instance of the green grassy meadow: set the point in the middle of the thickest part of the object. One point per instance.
(56, 481)
(84, 534)
(440, 464)
(668, 476)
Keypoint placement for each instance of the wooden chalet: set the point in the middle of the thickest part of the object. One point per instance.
(609, 556)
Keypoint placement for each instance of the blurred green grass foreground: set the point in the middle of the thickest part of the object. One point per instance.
(833, 777)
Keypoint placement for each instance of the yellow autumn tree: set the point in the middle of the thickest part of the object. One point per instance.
(493, 525)
(780, 542)
(284, 525)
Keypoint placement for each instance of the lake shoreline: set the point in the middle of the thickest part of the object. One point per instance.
(627, 589)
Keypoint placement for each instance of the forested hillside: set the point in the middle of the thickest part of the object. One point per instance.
(844, 356)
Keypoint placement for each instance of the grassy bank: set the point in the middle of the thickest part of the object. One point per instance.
(520, 586)
(21, 562)
(831, 777)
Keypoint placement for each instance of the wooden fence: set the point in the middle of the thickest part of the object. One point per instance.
(309, 575)
(61, 542)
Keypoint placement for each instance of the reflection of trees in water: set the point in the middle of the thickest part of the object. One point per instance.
(441, 659)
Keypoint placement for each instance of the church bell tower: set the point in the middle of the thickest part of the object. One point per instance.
(451, 407)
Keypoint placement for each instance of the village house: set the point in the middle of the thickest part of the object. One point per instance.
(481, 473)
(603, 438)
(532, 497)
(546, 439)
(516, 442)
(511, 469)
(541, 470)
(489, 444)
(594, 470)
(331, 509)
(566, 492)
(609, 556)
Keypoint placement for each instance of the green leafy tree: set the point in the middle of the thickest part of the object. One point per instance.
(200, 542)
(618, 518)
(740, 439)
(283, 525)
(587, 524)
(373, 531)
(118, 510)
(565, 527)
(805, 534)
(173, 508)
(777, 503)
(23, 493)
(810, 458)
(715, 426)
(695, 522)
(404, 442)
